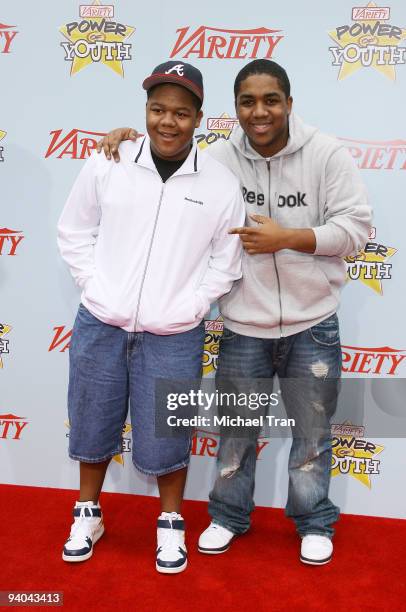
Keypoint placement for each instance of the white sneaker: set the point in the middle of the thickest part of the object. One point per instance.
(316, 549)
(215, 539)
(86, 530)
(171, 555)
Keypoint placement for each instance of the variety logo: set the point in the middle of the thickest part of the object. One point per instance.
(76, 144)
(214, 331)
(126, 446)
(2, 135)
(380, 361)
(95, 37)
(4, 330)
(370, 265)
(218, 127)
(223, 123)
(11, 426)
(207, 42)
(96, 10)
(61, 339)
(354, 455)
(7, 35)
(368, 41)
(9, 241)
(206, 444)
(378, 154)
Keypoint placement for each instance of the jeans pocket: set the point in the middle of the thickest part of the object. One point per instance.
(85, 317)
(228, 334)
(327, 332)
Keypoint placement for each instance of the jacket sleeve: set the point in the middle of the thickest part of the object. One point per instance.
(78, 225)
(225, 261)
(346, 213)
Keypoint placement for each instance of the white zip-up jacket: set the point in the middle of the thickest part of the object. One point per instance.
(152, 256)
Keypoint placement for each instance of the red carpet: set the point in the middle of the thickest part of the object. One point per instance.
(261, 572)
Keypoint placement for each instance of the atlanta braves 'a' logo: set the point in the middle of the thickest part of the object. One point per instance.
(178, 68)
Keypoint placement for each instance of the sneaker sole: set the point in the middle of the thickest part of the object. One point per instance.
(171, 570)
(315, 562)
(77, 558)
(215, 551)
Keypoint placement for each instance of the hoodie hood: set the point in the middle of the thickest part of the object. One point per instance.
(299, 135)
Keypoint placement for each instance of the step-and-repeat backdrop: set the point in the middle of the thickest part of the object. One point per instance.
(69, 72)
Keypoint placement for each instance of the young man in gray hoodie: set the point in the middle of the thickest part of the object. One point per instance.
(306, 210)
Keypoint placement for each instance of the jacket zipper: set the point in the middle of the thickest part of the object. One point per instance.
(148, 258)
(268, 163)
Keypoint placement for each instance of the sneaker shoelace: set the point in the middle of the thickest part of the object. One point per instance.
(170, 539)
(82, 524)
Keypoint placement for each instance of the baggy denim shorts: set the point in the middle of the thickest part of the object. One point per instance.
(112, 370)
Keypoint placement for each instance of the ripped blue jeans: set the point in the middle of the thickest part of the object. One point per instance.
(313, 356)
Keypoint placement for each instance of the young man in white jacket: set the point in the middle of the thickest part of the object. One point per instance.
(307, 210)
(147, 240)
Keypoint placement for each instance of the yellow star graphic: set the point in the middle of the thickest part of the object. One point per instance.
(93, 36)
(2, 134)
(126, 429)
(203, 144)
(120, 458)
(358, 473)
(363, 40)
(4, 329)
(374, 283)
(210, 352)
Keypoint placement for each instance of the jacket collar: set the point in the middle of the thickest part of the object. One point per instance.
(191, 165)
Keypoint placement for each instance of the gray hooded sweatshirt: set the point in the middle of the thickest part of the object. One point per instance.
(311, 183)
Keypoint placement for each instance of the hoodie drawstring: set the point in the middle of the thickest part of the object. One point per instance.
(254, 170)
(278, 181)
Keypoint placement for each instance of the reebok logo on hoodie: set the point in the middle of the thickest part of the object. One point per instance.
(292, 200)
(253, 198)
